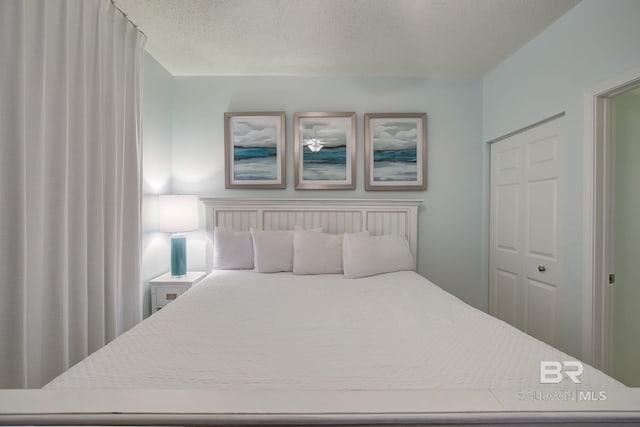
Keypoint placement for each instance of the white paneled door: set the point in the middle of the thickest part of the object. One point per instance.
(525, 258)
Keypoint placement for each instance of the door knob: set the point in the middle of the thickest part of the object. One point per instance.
(542, 268)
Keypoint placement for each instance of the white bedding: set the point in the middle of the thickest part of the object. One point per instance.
(244, 330)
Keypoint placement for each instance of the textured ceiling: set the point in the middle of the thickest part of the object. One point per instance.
(338, 37)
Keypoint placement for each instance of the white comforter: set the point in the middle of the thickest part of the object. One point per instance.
(246, 330)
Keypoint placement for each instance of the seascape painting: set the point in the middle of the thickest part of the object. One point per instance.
(396, 148)
(324, 150)
(330, 162)
(254, 149)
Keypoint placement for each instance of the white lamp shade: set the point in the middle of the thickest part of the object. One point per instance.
(178, 213)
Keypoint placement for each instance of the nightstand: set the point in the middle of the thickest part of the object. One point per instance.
(165, 288)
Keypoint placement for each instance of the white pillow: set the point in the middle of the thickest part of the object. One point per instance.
(316, 253)
(365, 255)
(272, 250)
(232, 250)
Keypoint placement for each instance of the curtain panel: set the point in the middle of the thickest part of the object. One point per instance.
(70, 183)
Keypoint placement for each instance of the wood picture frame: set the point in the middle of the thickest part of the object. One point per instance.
(395, 151)
(325, 151)
(254, 150)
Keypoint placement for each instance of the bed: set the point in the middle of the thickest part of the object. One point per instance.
(242, 330)
(393, 337)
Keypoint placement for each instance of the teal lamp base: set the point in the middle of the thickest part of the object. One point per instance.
(178, 255)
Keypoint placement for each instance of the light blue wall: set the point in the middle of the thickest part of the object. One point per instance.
(594, 41)
(450, 241)
(156, 168)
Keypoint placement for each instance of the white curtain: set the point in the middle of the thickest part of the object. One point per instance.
(70, 183)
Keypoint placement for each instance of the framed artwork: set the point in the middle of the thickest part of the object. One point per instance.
(254, 150)
(325, 151)
(395, 151)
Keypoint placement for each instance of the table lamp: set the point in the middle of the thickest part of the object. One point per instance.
(178, 214)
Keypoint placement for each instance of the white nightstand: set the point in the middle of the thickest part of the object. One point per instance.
(165, 288)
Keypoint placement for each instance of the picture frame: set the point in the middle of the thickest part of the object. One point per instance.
(395, 151)
(325, 151)
(254, 150)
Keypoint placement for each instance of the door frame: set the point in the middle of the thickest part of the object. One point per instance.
(597, 217)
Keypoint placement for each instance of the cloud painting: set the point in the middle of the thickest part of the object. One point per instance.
(395, 149)
(255, 148)
(330, 163)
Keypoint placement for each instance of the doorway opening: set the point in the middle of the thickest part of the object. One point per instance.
(605, 203)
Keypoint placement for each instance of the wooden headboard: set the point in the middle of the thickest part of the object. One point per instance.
(378, 216)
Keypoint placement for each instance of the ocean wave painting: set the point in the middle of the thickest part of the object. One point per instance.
(395, 150)
(254, 163)
(328, 164)
(254, 148)
(395, 165)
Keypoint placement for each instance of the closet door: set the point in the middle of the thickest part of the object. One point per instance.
(525, 262)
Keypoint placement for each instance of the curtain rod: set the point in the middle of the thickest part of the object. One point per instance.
(541, 122)
(127, 18)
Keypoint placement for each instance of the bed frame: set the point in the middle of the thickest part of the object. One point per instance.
(370, 408)
(378, 216)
